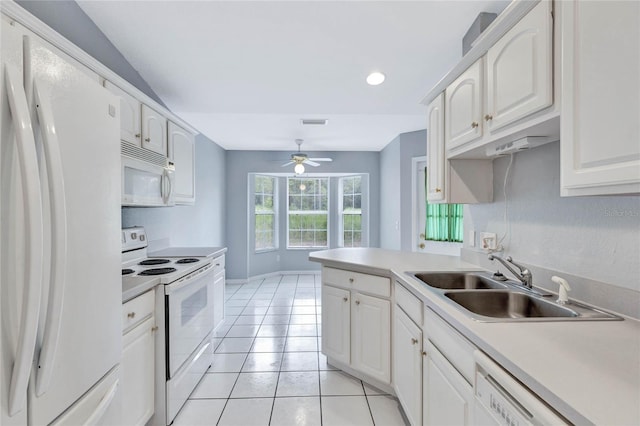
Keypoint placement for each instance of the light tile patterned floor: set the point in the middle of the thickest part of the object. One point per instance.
(268, 368)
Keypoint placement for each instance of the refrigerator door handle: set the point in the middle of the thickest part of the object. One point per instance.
(104, 404)
(58, 248)
(27, 157)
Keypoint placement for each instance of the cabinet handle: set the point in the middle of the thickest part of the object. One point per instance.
(421, 245)
(147, 139)
(345, 299)
(438, 190)
(488, 117)
(131, 315)
(414, 341)
(351, 280)
(137, 135)
(474, 124)
(154, 328)
(357, 302)
(424, 353)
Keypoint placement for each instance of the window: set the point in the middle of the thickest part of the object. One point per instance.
(265, 212)
(444, 221)
(351, 211)
(308, 212)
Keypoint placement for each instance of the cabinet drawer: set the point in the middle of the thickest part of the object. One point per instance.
(409, 303)
(457, 349)
(371, 284)
(137, 310)
(218, 264)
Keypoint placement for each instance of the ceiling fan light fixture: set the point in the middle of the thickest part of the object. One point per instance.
(375, 78)
(299, 169)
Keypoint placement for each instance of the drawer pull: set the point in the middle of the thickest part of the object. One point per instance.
(147, 139)
(474, 125)
(137, 135)
(351, 280)
(131, 315)
(154, 328)
(414, 341)
(357, 302)
(488, 117)
(345, 299)
(424, 353)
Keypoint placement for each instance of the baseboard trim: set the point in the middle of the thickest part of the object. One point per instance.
(269, 275)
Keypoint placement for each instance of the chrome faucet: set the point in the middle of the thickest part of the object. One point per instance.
(524, 275)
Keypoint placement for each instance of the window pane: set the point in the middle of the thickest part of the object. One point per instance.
(308, 212)
(264, 212)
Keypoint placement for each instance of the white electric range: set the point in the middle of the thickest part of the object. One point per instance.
(184, 300)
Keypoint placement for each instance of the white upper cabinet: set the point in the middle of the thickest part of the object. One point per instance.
(463, 116)
(520, 69)
(600, 129)
(182, 155)
(154, 131)
(130, 125)
(435, 149)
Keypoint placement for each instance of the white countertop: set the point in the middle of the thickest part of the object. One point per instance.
(589, 371)
(132, 287)
(189, 252)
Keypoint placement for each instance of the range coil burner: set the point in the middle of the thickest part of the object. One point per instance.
(127, 271)
(188, 260)
(157, 271)
(151, 262)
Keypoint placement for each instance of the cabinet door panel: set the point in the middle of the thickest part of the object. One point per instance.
(600, 128)
(336, 323)
(463, 117)
(154, 131)
(520, 69)
(182, 154)
(138, 374)
(435, 150)
(407, 365)
(130, 130)
(371, 319)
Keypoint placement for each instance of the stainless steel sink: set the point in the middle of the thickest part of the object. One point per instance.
(458, 281)
(487, 300)
(509, 304)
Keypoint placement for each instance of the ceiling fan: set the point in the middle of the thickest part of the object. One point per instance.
(300, 159)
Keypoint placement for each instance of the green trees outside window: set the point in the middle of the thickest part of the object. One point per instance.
(308, 212)
(351, 192)
(265, 212)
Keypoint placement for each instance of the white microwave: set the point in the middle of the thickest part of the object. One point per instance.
(147, 184)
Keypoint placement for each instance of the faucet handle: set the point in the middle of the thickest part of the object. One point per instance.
(510, 260)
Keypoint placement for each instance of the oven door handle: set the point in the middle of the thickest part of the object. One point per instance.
(188, 280)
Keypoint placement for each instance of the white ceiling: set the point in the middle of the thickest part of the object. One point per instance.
(245, 73)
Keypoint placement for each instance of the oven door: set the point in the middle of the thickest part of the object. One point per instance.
(189, 308)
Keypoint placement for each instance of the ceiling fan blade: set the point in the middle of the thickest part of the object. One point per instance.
(321, 159)
(288, 164)
(311, 163)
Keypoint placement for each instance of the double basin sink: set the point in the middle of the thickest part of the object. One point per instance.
(489, 300)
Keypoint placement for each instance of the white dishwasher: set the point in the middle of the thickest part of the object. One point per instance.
(502, 400)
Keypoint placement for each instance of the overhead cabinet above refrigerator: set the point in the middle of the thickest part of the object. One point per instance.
(59, 237)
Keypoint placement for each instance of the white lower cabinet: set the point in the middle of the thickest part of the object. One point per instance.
(356, 327)
(407, 365)
(448, 397)
(370, 346)
(138, 368)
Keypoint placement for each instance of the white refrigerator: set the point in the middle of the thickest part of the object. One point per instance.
(60, 288)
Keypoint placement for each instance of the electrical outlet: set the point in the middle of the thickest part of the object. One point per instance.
(472, 238)
(488, 240)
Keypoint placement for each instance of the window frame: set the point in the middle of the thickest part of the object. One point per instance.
(328, 212)
(363, 211)
(275, 230)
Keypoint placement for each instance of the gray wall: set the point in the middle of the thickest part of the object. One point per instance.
(242, 262)
(597, 238)
(68, 19)
(395, 189)
(198, 225)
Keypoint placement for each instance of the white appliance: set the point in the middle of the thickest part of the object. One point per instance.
(502, 400)
(184, 349)
(60, 294)
(147, 180)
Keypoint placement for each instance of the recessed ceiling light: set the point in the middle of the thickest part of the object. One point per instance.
(375, 78)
